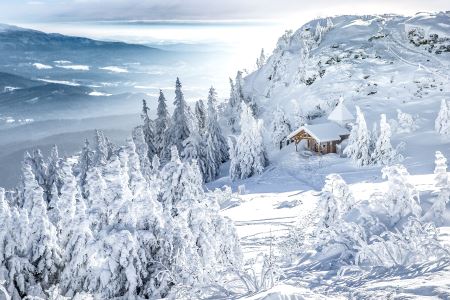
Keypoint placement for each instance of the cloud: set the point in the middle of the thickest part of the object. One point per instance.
(79, 10)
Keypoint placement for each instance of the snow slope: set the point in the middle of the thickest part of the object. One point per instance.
(371, 62)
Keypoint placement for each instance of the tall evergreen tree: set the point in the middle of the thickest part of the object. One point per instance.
(148, 130)
(179, 129)
(359, 141)
(162, 121)
(142, 151)
(200, 115)
(249, 156)
(85, 162)
(44, 252)
(384, 153)
(261, 60)
(440, 170)
(100, 155)
(279, 127)
(442, 123)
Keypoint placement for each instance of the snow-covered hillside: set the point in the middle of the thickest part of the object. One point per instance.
(392, 65)
(371, 61)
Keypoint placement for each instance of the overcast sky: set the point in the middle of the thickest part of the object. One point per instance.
(82, 10)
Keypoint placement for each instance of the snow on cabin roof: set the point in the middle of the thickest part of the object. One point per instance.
(324, 132)
(340, 113)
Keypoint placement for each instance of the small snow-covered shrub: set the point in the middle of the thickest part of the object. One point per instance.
(261, 273)
(384, 231)
(415, 243)
(406, 122)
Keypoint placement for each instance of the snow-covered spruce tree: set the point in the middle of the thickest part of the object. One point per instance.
(279, 127)
(76, 255)
(66, 205)
(147, 128)
(198, 231)
(440, 170)
(384, 153)
(358, 143)
(234, 103)
(54, 170)
(16, 258)
(38, 166)
(318, 32)
(442, 123)
(335, 201)
(261, 60)
(214, 130)
(215, 148)
(100, 155)
(162, 122)
(200, 115)
(194, 149)
(402, 199)
(298, 117)
(142, 151)
(44, 252)
(179, 129)
(85, 162)
(249, 156)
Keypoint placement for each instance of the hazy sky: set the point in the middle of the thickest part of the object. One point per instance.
(82, 10)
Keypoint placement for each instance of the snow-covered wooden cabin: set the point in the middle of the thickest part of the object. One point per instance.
(325, 137)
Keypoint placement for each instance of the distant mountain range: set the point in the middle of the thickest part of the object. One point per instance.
(22, 39)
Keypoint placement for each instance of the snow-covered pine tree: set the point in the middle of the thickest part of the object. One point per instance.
(298, 117)
(330, 24)
(261, 60)
(440, 170)
(142, 151)
(384, 153)
(279, 127)
(213, 127)
(216, 149)
(76, 254)
(179, 129)
(53, 171)
(43, 250)
(442, 123)
(373, 137)
(249, 156)
(359, 141)
(100, 155)
(402, 199)
(66, 204)
(335, 200)
(194, 149)
(162, 122)
(147, 128)
(96, 199)
(85, 162)
(233, 108)
(318, 32)
(38, 166)
(200, 115)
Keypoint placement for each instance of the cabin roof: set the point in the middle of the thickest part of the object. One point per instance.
(324, 132)
(340, 113)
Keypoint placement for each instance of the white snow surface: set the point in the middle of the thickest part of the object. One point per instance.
(371, 63)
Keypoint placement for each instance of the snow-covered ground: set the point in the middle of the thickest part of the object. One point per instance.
(372, 63)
